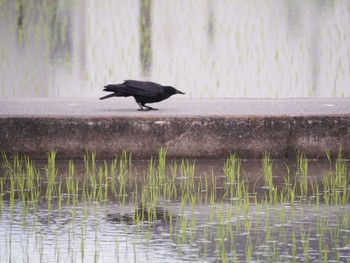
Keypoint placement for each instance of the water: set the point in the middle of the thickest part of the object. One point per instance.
(207, 211)
(84, 233)
(208, 49)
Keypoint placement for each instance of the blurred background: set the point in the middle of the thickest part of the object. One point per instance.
(206, 48)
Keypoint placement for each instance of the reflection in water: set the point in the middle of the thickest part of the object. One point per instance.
(207, 48)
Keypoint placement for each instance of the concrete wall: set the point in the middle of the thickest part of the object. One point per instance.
(204, 137)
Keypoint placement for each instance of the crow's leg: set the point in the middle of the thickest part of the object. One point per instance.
(140, 105)
(143, 107)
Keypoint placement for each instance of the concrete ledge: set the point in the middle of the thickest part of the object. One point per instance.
(37, 126)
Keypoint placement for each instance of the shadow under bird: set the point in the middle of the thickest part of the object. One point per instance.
(143, 91)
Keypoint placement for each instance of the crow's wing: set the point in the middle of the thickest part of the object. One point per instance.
(143, 88)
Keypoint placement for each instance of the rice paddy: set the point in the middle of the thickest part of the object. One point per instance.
(209, 49)
(161, 210)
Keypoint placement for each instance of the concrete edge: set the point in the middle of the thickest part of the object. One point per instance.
(185, 137)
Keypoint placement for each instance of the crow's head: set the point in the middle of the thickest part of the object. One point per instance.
(171, 90)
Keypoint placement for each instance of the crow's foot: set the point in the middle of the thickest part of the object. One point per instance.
(150, 108)
(146, 108)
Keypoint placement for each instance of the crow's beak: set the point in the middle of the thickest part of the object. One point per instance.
(179, 92)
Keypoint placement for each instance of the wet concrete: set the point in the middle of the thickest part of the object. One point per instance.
(189, 128)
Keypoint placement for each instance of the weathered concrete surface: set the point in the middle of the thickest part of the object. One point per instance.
(189, 128)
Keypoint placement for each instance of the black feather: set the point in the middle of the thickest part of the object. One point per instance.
(143, 92)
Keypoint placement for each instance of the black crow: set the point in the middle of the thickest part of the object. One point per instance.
(143, 92)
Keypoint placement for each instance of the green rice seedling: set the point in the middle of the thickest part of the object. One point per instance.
(212, 197)
(191, 173)
(69, 236)
(246, 206)
(186, 171)
(267, 224)
(32, 183)
(152, 176)
(96, 226)
(111, 176)
(183, 221)
(135, 193)
(316, 193)
(267, 169)
(41, 245)
(75, 188)
(335, 184)
(287, 187)
(302, 174)
(275, 255)
(169, 188)
(267, 173)
(205, 189)
(51, 174)
(129, 165)
(232, 173)
(57, 246)
(116, 248)
(171, 231)
(248, 249)
(6, 168)
(1, 195)
(220, 239)
(205, 239)
(12, 194)
(124, 164)
(305, 243)
(232, 169)
(162, 166)
(200, 189)
(89, 181)
(31, 178)
(59, 196)
(82, 240)
(341, 179)
(193, 211)
(224, 257)
(14, 173)
(106, 184)
(99, 187)
(70, 186)
(294, 247)
(320, 233)
(328, 157)
(325, 253)
(229, 230)
(153, 186)
(327, 187)
(21, 187)
(151, 211)
(345, 221)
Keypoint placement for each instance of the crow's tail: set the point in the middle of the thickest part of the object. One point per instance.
(107, 96)
(115, 88)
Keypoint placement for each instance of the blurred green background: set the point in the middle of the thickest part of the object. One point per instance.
(207, 48)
